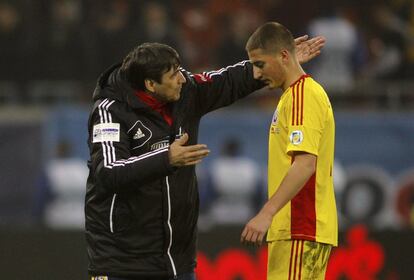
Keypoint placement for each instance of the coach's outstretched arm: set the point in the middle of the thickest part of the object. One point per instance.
(220, 88)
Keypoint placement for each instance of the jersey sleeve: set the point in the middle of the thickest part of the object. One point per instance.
(111, 161)
(216, 89)
(306, 113)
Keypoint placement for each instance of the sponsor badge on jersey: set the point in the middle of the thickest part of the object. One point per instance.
(100, 278)
(106, 132)
(296, 137)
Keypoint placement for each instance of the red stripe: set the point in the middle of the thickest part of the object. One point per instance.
(303, 212)
(301, 102)
(296, 257)
(297, 103)
(291, 254)
(293, 106)
(300, 78)
(301, 255)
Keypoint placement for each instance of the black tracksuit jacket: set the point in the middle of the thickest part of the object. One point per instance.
(141, 212)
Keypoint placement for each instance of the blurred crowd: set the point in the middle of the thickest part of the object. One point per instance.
(75, 40)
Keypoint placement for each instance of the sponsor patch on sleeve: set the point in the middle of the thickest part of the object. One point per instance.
(106, 132)
(296, 137)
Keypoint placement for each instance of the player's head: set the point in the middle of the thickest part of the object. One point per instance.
(271, 49)
(154, 68)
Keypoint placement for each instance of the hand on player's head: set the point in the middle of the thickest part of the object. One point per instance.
(307, 49)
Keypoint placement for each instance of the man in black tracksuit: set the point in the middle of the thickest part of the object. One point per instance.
(141, 203)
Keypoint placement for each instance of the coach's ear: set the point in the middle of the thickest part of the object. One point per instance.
(149, 85)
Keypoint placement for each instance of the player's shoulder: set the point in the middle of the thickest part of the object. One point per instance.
(312, 85)
(304, 87)
(314, 90)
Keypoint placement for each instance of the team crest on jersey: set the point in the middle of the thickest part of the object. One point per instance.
(273, 126)
(275, 116)
(296, 137)
(140, 134)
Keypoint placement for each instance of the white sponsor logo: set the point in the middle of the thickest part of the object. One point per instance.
(296, 137)
(100, 278)
(141, 135)
(180, 133)
(160, 145)
(138, 134)
(106, 132)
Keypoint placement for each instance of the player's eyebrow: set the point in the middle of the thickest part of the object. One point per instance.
(259, 63)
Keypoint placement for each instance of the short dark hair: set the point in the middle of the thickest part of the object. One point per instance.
(148, 61)
(271, 37)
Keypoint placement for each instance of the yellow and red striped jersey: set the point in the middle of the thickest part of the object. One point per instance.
(303, 121)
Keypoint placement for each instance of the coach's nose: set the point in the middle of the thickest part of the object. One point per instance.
(181, 78)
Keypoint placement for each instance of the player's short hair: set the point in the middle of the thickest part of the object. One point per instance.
(148, 61)
(271, 37)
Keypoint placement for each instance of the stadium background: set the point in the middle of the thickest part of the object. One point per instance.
(53, 50)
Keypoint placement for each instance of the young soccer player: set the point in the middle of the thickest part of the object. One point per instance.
(300, 215)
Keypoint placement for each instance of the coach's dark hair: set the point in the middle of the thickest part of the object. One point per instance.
(148, 61)
(271, 37)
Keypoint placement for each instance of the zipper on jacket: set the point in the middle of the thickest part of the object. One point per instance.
(170, 228)
(111, 225)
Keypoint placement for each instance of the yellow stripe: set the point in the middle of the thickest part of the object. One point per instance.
(297, 103)
(292, 260)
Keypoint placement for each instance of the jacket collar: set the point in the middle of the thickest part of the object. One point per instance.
(111, 85)
(149, 100)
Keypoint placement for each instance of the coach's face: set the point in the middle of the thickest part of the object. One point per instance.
(168, 90)
(268, 67)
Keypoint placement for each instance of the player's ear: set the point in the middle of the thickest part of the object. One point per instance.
(149, 85)
(285, 55)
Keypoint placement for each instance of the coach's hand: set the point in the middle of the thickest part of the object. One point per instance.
(181, 155)
(307, 49)
(256, 228)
